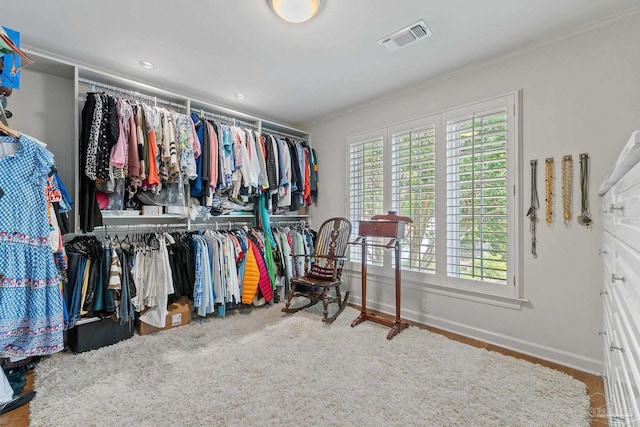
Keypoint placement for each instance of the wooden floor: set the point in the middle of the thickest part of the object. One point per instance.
(19, 417)
(595, 388)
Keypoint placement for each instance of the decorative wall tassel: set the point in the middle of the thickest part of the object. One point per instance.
(549, 181)
(567, 188)
(535, 204)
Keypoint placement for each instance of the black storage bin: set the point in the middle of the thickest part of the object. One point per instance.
(93, 333)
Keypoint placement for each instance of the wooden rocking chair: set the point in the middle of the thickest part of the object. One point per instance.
(325, 272)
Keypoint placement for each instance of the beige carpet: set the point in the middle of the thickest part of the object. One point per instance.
(263, 367)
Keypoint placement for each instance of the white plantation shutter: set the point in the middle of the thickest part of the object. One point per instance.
(413, 194)
(366, 190)
(456, 175)
(477, 196)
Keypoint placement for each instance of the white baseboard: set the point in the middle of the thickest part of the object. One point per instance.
(561, 357)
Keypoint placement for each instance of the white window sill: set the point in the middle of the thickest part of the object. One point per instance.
(469, 295)
(496, 300)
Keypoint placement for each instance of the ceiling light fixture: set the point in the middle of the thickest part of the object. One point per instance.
(146, 64)
(240, 96)
(295, 11)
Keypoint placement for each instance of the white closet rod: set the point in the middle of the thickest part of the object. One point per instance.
(286, 135)
(302, 223)
(131, 93)
(205, 114)
(105, 230)
(219, 225)
(233, 120)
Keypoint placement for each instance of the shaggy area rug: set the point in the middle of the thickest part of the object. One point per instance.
(263, 367)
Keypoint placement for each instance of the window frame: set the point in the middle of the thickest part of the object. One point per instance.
(356, 139)
(410, 126)
(512, 288)
(440, 281)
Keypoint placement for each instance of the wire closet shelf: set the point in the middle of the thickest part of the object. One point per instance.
(131, 93)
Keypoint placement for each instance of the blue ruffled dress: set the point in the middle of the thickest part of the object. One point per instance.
(31, 313)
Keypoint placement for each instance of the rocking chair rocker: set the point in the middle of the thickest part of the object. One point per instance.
(325, 272)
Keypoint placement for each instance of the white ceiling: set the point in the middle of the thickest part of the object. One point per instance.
(292, 73)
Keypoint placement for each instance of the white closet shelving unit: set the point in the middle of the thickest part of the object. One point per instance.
(620, 252)
(82, 77)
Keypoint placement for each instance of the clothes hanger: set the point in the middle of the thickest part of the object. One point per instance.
(4, 126)
(12, 46)
(7, 130)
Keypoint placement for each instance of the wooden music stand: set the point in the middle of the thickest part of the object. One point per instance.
(393, 226)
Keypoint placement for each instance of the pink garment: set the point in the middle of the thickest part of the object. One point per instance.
(196, 141)
(119, 151)
(264, 283)
(102, 199)
(213, 156)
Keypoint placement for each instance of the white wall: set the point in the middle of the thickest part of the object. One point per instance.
(581, 94)
(43, 108)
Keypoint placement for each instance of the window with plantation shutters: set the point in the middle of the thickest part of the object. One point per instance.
(456, 175)
(366, 190)
(477, 196)
(413, 194)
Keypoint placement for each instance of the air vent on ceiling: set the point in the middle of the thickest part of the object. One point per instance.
(405, 36)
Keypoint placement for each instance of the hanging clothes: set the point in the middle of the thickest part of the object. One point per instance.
(251, 276)
(100, 281)
(31, 310)
(90, 216)
(151, 151)
(153, 281)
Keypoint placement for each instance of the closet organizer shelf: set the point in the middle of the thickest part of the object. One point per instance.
(143, 219)
(90, 80)
(83, 78)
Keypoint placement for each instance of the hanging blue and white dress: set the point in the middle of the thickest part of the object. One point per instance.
(31, 316)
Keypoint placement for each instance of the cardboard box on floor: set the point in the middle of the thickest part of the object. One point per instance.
(179, 314)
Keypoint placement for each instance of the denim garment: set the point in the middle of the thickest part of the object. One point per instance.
(72, 274)
(98, 303)
(74, 307)
(67, 201)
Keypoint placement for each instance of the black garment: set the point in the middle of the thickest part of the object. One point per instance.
(90, 248)
(90, 216)
(296, 177)
(181, 260)
(144, 144)
(270, 157)
(126, 311)
(96, 281)
(109, 132)
(61, 218)
(72, 274)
